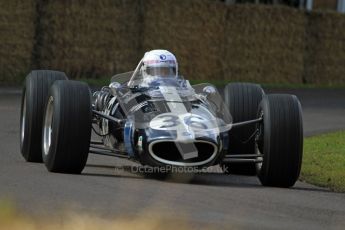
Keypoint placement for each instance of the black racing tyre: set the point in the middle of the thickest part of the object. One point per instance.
(280, 140)
(34, 98)
(67, 127)
(242, 100)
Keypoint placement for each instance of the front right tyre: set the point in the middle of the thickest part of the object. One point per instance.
(67, 127)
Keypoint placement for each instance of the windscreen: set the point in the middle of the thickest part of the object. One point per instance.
(174, 105)
(122, 77)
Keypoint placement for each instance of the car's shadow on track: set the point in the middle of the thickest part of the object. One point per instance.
(203, 178)
(109, 171)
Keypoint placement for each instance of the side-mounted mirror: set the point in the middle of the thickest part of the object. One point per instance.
(209, 90)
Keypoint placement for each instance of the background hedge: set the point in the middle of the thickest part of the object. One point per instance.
(325, 48)
(212, 41)
(17, 31)
(192, 30)
(89, 38)
(264, 44)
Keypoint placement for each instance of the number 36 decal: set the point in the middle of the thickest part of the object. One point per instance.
(170, 121)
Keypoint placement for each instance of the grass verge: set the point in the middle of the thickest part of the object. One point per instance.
(324, 161)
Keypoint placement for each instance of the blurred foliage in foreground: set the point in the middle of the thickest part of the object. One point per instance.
(11, 219)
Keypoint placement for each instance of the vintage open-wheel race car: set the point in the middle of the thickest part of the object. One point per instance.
(160, 123)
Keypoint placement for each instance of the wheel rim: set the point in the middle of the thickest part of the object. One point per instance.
(259, 164)
(47, 127)
(23, 118)
(257, 149)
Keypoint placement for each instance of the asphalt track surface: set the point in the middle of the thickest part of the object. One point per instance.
(212, 199)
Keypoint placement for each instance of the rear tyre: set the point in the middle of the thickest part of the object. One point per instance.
(242, 100)
(34, 98)
(67, 127)
(281, 140)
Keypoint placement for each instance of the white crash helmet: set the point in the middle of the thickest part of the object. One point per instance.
(159, 63)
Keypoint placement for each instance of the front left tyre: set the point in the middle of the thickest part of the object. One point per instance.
(280, 140)
(34, 98)
(67, 127)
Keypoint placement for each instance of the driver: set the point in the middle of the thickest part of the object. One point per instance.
(158, 64)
